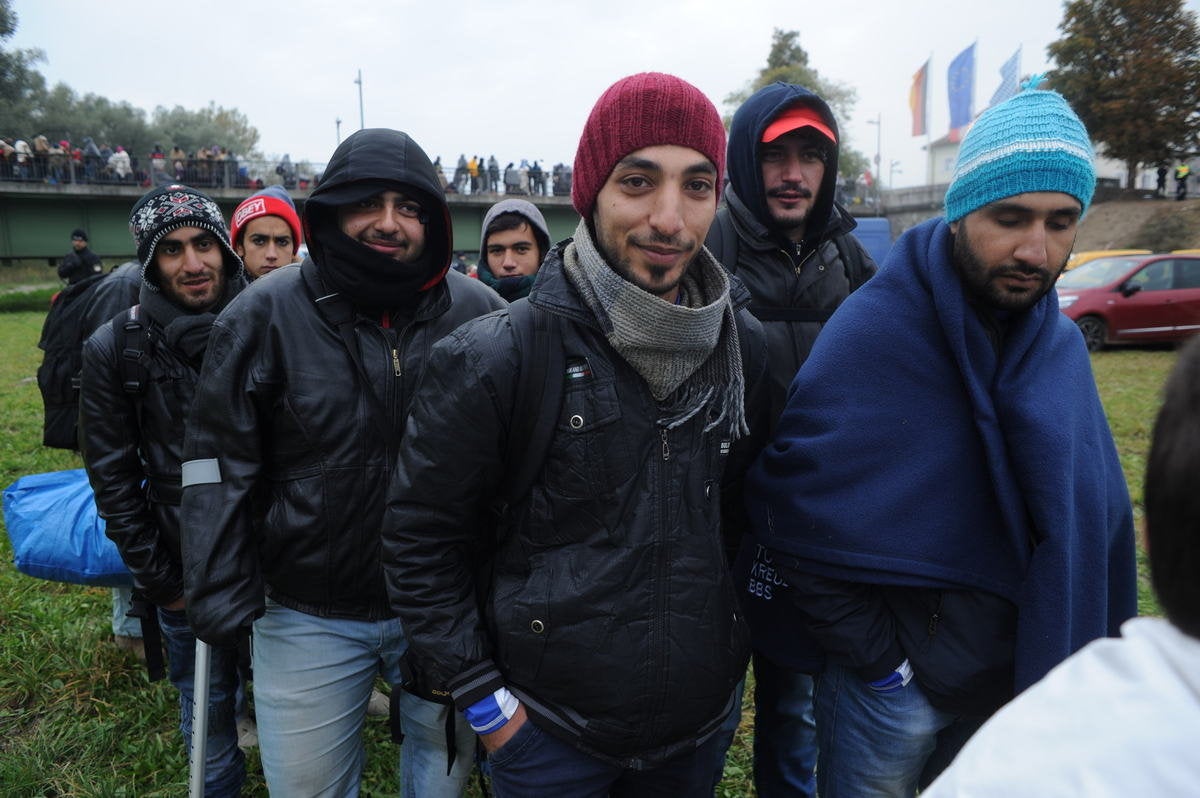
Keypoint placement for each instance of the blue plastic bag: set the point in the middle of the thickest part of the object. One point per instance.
(57, 534)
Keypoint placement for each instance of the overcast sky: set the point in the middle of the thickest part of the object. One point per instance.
(515, 78)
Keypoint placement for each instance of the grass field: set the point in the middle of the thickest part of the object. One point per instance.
(78, 717)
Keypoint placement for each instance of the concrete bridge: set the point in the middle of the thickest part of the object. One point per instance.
(36, 219)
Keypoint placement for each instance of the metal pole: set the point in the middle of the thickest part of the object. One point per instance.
(358, 80)
(879, 164)
(199, 720)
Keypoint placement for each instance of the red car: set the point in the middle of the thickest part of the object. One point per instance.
(1133, 298)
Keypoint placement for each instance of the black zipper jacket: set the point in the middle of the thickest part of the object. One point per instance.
(608, 607)
(288, 465)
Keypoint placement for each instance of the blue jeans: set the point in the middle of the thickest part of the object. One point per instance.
(122, 624)
(881, 744)
(534, 764)
(785, 734)
(313, 678)
(224, 765)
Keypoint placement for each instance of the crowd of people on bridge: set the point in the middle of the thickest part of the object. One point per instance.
(42, 160)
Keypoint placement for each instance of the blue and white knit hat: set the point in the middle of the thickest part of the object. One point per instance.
(1030, 142)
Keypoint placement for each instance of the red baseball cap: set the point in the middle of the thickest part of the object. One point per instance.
(795, 118)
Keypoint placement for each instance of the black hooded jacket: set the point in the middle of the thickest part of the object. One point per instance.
(795, 287)
(289, 457)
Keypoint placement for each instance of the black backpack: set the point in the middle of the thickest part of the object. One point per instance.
(58, 375)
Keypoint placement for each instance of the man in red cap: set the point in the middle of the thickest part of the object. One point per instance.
(783, 234)
(265, 231)
(600, 654)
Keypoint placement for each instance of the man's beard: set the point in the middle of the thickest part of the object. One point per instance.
(980, 281)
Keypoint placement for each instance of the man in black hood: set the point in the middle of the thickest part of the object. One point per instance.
(514, 241)
(289, 453)
(783, 234)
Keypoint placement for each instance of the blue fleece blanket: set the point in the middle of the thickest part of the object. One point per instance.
(911, 453)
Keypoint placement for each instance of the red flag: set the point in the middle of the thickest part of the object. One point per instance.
(916, 99)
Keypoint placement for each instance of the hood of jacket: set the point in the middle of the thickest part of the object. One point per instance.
(512, 288)
(374, 160)
(745, 137)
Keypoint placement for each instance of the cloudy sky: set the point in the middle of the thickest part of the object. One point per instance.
(515, 78)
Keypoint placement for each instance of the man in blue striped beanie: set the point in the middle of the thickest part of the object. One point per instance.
(950, 515)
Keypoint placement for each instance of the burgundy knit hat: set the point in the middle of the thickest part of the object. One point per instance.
(643, 110)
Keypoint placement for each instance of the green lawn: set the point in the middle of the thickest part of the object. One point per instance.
(77, 716)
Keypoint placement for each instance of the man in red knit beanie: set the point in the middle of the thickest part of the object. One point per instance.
(265, 231)
(602, 651)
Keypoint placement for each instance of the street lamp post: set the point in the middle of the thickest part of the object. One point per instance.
(358, 80)
(878, 123)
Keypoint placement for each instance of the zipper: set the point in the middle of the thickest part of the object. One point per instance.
(666, 447)
(800, 265)
(396, 361)
(936, 617)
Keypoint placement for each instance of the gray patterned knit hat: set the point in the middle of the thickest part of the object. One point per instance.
(169, 208)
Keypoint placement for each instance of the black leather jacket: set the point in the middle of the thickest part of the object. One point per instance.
(132, 437)
(608, 608)
(303, 465)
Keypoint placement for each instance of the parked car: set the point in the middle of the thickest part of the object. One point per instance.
(1087, 256)
(1133, 298)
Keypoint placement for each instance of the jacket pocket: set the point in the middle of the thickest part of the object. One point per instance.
(588, 456)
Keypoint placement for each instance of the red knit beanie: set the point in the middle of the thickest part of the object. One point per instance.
(643, 110)
(272, 201)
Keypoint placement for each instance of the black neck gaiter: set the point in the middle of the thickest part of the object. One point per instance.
(372, 282)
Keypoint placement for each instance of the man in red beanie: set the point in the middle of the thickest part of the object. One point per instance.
(601, 651)
(265, 231)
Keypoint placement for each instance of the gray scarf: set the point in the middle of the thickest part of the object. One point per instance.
(688, 354)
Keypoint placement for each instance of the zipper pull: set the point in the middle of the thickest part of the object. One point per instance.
(666, 447)
(396, 361)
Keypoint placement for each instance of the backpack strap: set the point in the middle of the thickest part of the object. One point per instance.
(538, 397)
(131, 331)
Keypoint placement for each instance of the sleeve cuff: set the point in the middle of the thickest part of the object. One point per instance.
(475, 684)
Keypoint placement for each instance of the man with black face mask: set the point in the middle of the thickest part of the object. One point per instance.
(288, 456)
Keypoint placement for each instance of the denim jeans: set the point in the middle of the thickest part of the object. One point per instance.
(881, 744)
(224, 766)
(785, 734)
(534, 764)
(313, 678)
(122, 603)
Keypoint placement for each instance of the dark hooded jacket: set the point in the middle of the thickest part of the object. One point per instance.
(131, 420)
(795, 287)
(289, 454)
(512, 288)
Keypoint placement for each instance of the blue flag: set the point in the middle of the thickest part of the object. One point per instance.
(1008, 79)
(960, 79)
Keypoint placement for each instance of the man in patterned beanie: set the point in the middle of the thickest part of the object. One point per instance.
(606, 643)
(138, 383)
(950, 515)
